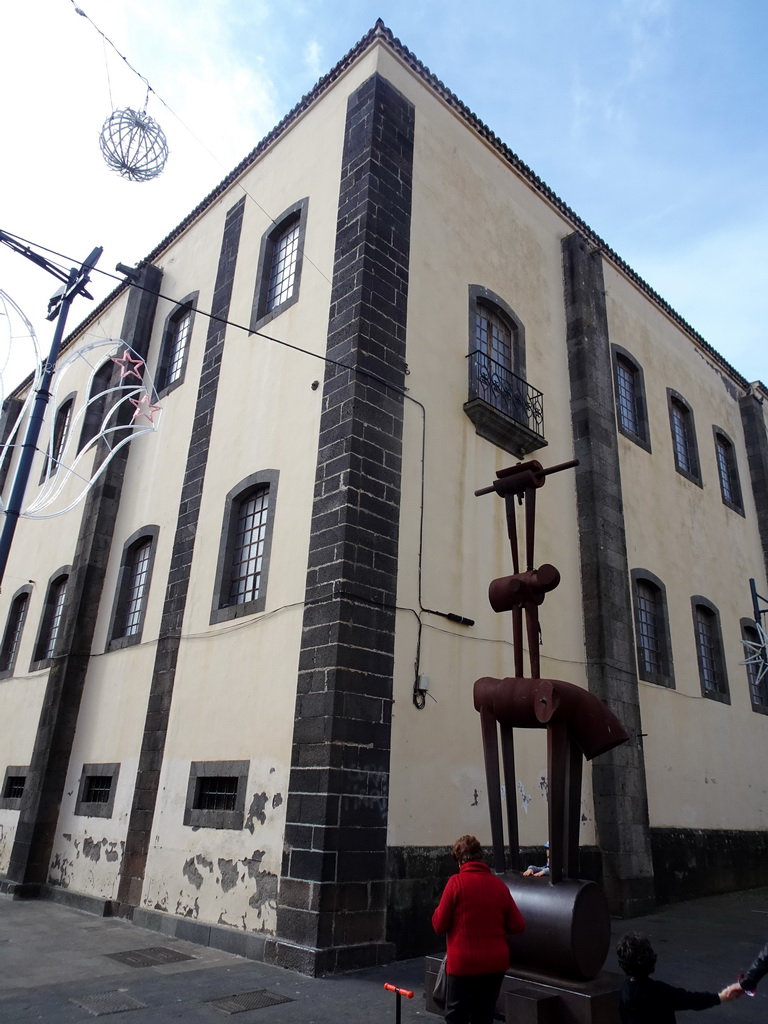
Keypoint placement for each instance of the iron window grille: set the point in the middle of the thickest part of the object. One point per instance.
(97, 789)
(282, 274)
(130, 604)
(138, 576)
(14, 787)
(654, 648)
(278, 277)
(58, 444)
(249, 547)
(755, 664)
(13, 631)
(683, 437)
(728, 472)
(709, 651)
(95, 410)
(50, 625)
(176, 342)
(216, 794)
(244, 553)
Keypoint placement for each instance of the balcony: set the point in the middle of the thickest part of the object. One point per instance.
(504, 408)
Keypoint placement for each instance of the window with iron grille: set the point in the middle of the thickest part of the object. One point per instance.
(654, 649)
(59, 440)
(13, 629)
(95, 413)
(252, 514)
(13, 787)
(727, 471)
(709, 650)
(683, 437)
(280, 262)
(216, 794)
(96, 793)
(50, 623)
(756, 665)
(629, 385)
(176, 340)
(130, 604)
(243, 566)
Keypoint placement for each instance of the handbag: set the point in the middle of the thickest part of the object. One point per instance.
(440, 991)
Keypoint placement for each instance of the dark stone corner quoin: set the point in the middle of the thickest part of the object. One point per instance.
(332, 899)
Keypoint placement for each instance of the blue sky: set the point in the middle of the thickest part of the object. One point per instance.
(648, 117)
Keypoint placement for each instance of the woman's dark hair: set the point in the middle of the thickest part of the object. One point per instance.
(467, 848)
(636, 956)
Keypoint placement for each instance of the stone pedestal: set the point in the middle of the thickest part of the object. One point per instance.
(528, 997)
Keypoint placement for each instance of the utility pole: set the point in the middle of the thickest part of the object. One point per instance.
(58, 309)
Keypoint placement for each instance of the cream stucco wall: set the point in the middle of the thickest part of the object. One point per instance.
(696, 545)
(473, 222)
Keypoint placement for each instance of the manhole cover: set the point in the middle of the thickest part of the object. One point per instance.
(249, 1001)
(108, 1002)
(152, 956)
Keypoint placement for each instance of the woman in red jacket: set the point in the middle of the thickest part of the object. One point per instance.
(476, 912)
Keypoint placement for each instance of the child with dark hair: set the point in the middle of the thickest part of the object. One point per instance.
(643, 1000)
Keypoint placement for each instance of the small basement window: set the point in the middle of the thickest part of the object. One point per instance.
(13, 787)
(216, 794)
(98, 784)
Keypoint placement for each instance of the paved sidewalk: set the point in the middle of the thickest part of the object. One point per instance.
(56, 968)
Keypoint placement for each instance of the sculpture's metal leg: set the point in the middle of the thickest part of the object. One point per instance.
(510, 785)
(557, 761)
(493, 779)
(573, 770)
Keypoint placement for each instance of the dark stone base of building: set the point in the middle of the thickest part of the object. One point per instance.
(688, 863)
(532, 998)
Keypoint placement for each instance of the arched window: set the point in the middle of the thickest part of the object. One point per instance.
(61, 425)
(280, 261)
(756, 656)
(50, 622)
(96, 406)
(246, 539)
(14, 627)
(130, 603)
(503, 406)
(654, 648)
(175, 348)
(709, 650)
(727, 471)
(629, 385)
(683, 437)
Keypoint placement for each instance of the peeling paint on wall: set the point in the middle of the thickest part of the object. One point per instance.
(256, 811)
(229, 874)
(191, 873)
(524, 797)
(277, 799)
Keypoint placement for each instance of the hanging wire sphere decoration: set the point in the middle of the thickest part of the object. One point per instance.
(133, 144)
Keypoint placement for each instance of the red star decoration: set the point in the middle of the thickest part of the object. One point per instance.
(128, 365)
(144, 407)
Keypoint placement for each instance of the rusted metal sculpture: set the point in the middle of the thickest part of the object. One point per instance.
(567, 923)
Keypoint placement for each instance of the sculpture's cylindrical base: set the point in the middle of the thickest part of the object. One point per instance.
(567, 926)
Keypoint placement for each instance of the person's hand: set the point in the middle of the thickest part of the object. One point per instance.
(734, 991)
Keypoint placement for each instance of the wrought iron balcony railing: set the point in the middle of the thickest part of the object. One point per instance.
(505, 391)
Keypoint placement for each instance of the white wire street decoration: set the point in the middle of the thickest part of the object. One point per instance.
(757, 659)
(133, 144)
(19, 350)
(116, 415)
